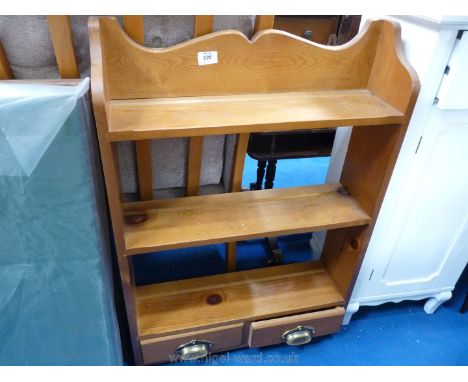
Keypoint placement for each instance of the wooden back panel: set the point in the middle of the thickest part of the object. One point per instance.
(263, 22)
(62, 41)
(135, 28)
(203, 25)
(274, 61)
(5, 70)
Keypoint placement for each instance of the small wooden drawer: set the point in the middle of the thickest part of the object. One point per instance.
(163, 349)
(315, 28)
(270, 332)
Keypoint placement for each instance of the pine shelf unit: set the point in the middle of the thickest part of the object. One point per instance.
(273, 82)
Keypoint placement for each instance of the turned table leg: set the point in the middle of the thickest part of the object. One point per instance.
(261, 164)
(464, 307)
(270, 174)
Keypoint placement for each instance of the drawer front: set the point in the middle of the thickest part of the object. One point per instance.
(269, 332)
(163, 349)
(317, 29)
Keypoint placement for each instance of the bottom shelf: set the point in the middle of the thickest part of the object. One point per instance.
(230, 298)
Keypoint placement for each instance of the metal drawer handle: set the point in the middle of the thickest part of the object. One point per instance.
(308, 34)
(298, 336)
(194, 349)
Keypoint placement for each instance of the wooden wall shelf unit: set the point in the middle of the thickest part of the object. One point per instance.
(274, 82)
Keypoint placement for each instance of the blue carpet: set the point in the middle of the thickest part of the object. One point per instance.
(291, 172)
(389, 334)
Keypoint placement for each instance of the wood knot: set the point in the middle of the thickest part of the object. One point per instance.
(214, 299)
(354, 243)
(342, 191)
(134, 218)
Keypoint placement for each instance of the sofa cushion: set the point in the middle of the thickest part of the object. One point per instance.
(27, 44)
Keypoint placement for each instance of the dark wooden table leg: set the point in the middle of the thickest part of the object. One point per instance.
(261, 164)
(270, 174)
(274, 254)
(464, 307)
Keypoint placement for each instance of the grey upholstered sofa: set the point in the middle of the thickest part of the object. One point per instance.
(28, 46)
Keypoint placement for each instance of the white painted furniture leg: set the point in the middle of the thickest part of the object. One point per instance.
(434, 302)
(316, 245)
(350, 310)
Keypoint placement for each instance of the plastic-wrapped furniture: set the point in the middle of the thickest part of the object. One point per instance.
(224, 83)
(56, 294)
(30, 50)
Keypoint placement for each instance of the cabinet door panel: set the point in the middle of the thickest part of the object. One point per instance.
(437, 221)
(453, 92)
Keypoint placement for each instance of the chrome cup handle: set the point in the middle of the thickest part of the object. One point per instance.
(194, 349)
(298, 336)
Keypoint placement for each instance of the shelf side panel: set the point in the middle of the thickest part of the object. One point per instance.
(392, 78)
(371, 156)
(367, 169)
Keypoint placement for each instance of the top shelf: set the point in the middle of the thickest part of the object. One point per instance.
(212, 115)
(273, 82)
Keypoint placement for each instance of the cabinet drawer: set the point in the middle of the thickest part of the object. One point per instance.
(315, 28)
(163, 349)
(270, 332)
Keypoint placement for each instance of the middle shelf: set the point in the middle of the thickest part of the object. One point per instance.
(220, 218)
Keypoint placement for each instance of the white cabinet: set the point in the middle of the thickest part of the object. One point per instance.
(420, 242)
(452, 92)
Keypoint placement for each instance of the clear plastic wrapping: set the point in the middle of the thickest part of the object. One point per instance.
(56, 295)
